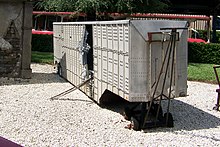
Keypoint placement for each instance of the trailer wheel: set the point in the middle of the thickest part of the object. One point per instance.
(169, 121)
(134, 124)
(59, 70)
(160, 114)
(127, 113)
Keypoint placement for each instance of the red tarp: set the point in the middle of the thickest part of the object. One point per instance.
(42, 32)
(197, 40)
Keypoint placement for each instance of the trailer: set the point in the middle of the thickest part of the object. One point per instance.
(142, 61)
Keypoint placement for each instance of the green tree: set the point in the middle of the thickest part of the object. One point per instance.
(91, 7)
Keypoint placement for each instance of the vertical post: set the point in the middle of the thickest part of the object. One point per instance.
(208, 30)
(35, 23)
(45, 23)
(26, 40)
(214, 27)
(61, 16)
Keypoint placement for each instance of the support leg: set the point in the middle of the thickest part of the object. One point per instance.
(218, 103)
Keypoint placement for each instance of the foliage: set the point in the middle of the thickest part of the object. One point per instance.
(90, 6)
(42, 43)
(204, 53)
(201, 72)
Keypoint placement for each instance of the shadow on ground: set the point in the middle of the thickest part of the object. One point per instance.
(36, 78)
(186, 117)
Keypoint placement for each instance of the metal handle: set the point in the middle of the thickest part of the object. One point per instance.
(216, 73)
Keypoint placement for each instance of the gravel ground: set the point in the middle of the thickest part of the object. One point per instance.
(29, 117)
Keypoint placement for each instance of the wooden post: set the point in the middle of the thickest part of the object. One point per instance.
(214, 27)
(208, 30)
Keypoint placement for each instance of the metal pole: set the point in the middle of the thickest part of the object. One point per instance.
(214, 27)
(45, 23)
(208, 30)
(173, 35)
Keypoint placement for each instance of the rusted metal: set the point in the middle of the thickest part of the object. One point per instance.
(216, 107)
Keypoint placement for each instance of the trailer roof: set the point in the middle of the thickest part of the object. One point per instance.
(142, 26)
(94, 22)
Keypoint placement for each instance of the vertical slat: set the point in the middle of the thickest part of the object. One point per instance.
(110, 57)
(127, 47)
(104, 57)
(95, 46)
(115, 59)
(121, 61)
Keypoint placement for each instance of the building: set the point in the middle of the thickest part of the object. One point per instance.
(15, 38)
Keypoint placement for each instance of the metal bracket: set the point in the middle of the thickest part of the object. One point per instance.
(56, 97)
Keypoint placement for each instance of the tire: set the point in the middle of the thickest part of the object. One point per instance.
(155, 109)
(135, 124)
(127, 113)
(59, 70)
(169, 121)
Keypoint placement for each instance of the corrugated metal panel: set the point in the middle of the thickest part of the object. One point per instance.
(111, 59)
(58, 41)
(67, 40)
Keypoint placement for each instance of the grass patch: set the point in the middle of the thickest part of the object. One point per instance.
(201, 72)
(42, 57)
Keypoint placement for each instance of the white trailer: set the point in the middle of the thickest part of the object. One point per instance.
(138, 60)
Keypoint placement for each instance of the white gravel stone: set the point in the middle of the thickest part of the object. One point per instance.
(29, 117)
